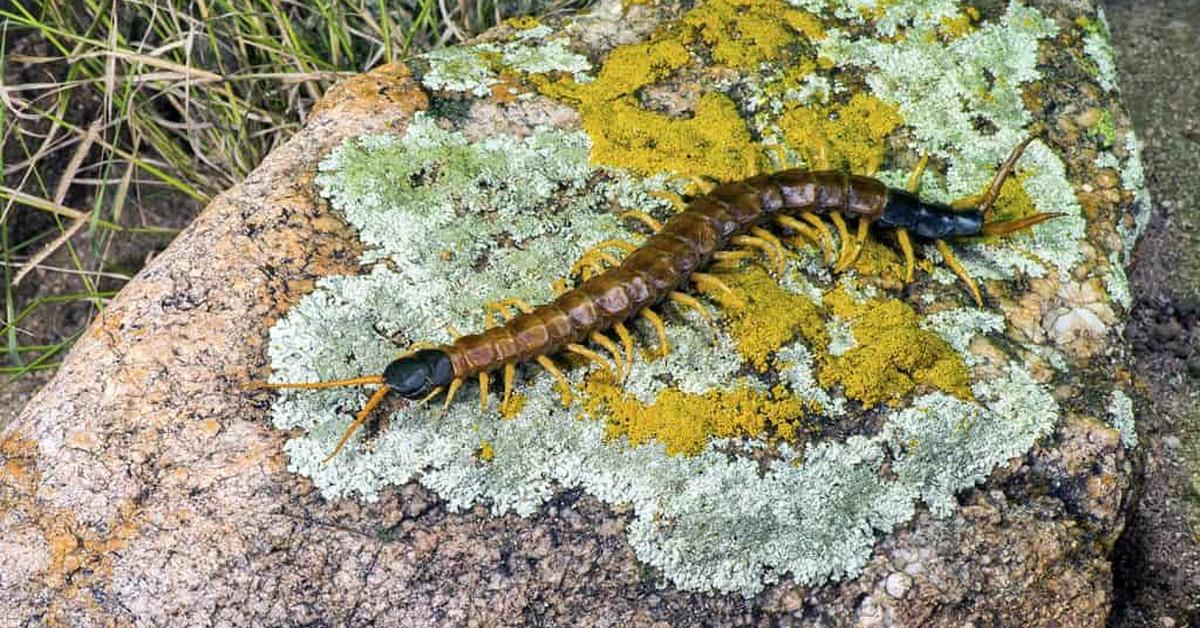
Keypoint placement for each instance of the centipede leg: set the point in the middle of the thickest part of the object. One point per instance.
(774, 240)
(705, 282)
(826, 236)
(565, 386)
(843, 237)
(626, 339)
(643, 218)
(804, 230)
(427, 398)
(510, 374)
(612, 348)
(358, 421)
(657, 323)
(688, 301)
(455, 384)
(910, 260)
(484, 380)
(730, 257)
(581, 350)
(958, 269)
(860, 240)
(761, 245)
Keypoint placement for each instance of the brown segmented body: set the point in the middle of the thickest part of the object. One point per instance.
(731, 214)
(665, 262)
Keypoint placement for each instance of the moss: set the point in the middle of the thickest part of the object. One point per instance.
(1106, 128)
(848, 137)
(686, 423)
(771, 317)
(892, 355)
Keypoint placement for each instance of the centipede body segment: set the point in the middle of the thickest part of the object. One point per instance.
(727, 224)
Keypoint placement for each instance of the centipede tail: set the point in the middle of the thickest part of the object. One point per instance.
(726, 225)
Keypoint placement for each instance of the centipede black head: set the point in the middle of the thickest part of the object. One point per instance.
(416, 375)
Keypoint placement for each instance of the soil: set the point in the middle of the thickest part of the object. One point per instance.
(1157, 561)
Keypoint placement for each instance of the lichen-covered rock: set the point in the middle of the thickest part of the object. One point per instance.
(838, 449)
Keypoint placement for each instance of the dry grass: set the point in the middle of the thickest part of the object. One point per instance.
(121, 118)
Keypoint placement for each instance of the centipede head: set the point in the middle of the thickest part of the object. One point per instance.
(415, 376)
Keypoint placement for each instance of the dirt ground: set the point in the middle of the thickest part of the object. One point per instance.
(1157, 568)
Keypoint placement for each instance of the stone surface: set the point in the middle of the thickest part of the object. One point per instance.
(142, 485)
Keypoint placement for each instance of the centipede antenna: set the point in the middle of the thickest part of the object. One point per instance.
(1009, 226)
(1003, 173)
(361, 418)
(354, 381)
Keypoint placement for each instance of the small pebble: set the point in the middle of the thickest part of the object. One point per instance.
(897, 584)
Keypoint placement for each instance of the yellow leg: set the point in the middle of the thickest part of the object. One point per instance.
(914, 177)
(688, 301)
(612, 348)
(732, 256)
(758, 243)
(967, 202)
(519, 304)
(860, 240)
(427, 398)
(560, 287)
(510, 374)
(626, 341)
(843, 237)
(579, 349)
(455, 384)
(484, 379)
(453, 331)
(657, 322)
(705, 283)
(770, 237)
(358, 421)
(562, 379)
(642, 217)
(958, 269)
(674, 198)
(415, 347)
(906, 247)
(628, 247)
(804, 230)
(826, 236)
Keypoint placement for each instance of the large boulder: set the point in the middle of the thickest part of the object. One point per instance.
(836, 448)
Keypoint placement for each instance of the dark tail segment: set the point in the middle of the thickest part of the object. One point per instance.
(1011, 226)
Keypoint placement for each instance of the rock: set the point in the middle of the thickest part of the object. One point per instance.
(916, 460)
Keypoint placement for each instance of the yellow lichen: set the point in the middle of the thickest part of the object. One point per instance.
(745, 33)
(513, 408)
(960, 25)
(523, 22)
(684, 422)
(486, 452)
(892, 355)
(848, 137)
(1014, 202)
(770, 317)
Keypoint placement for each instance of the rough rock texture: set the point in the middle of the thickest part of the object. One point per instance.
(142, 486)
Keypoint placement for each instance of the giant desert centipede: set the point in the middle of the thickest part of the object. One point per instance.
(730, 215)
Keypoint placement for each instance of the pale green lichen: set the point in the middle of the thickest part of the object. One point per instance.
(943, 92)
(1133, 179)
(455, 223)
(1097, 44)
(1121, 417)
(475, 69)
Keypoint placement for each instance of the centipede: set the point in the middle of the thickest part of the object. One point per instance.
(727, 224)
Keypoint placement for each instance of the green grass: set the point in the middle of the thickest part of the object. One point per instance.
(111, 107)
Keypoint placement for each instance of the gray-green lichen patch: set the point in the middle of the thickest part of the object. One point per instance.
(1097, 44)
(475, 68)
(453, 225)
(1121, 417)
(946, 94)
